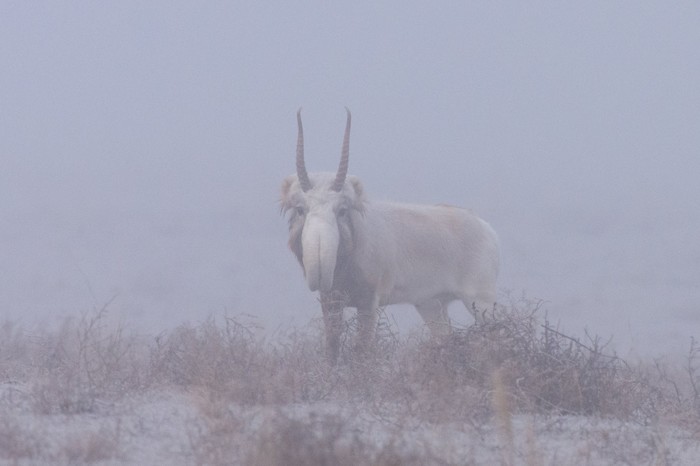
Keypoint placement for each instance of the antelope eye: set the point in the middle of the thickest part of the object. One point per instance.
(299, 211)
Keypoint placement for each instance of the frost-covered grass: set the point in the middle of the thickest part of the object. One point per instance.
(511, 391)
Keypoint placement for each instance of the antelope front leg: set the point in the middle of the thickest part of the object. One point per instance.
(332, 305)
(366, 327)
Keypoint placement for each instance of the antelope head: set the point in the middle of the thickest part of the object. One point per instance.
(324, 211)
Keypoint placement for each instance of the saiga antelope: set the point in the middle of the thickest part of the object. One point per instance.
(367, 254)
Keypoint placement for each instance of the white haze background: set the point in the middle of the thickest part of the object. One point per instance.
(142, 145)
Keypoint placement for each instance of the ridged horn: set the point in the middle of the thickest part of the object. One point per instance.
(301, 166)
(344, 157)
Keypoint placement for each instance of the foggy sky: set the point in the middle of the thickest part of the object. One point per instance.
(143, 144)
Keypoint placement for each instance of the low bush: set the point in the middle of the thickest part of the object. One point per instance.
(481, 377)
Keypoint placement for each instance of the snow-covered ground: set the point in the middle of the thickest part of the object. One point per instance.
(176, 428)
(222, 393)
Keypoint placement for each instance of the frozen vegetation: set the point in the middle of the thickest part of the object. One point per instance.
(515, 390)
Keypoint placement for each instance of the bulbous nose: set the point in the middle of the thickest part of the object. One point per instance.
(319, 240)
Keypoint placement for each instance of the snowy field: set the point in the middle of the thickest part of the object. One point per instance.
(513, 391)
(162, 427)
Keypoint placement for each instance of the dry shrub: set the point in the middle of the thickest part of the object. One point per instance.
(542, 369)
(688, 398)
(323, 439)
(16, 441)
(87, 447)
(86, 361)
(20, 444)
(362, 375)
(15, 356)
(230, 361)
(478, 377)
(284, 440)
(214, 437)
(675, 389)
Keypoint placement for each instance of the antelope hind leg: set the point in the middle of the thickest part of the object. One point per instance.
(435, 316)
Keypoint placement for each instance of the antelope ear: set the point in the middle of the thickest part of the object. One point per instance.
(359, 203)
(285, 199)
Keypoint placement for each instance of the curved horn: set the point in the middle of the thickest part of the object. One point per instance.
(344, 157)
(301, 166)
